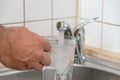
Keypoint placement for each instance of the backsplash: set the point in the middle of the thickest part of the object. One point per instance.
(40, 16)
(105, 32)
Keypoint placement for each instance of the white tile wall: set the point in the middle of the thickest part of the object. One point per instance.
(111, 39)
(11, 11)
(112, 11)
(71, 22)
(93, 34)
(38, 9)
(90, 8)
(42, 28)
(64, 8)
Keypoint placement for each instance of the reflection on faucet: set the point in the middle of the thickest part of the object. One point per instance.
(79, 33)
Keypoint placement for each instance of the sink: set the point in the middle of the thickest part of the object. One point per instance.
(29, 75)
(87, 71)
(79, 73)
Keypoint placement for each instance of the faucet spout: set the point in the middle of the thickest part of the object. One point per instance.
(79, 34)
(81, 25)
(63, 26)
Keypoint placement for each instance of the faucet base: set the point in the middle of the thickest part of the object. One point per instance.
(79, 59)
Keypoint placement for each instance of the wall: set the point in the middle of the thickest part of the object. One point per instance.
(40, 16)
(105, 32)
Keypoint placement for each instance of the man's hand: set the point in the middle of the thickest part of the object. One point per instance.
(26, 50)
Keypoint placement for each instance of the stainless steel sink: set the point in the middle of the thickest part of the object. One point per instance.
(30, 75)
(88, 71)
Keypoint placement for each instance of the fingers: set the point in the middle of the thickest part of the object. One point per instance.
(35, 65)
(38, 59)
(45, 60)
(45, 44)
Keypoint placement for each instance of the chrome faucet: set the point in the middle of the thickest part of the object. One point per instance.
(79, 33)
(67, 29)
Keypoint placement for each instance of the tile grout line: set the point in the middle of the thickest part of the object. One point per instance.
(108, 23)
(51, 17)
(117, 25)
(102, 12)
(24, 14)
(77, 12)
(37, 20)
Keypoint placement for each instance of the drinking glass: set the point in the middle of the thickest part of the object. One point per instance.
(62, 59)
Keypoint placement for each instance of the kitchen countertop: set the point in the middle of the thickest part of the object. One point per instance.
(103, 54)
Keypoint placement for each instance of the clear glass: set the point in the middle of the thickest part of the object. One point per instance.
(62, 59)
